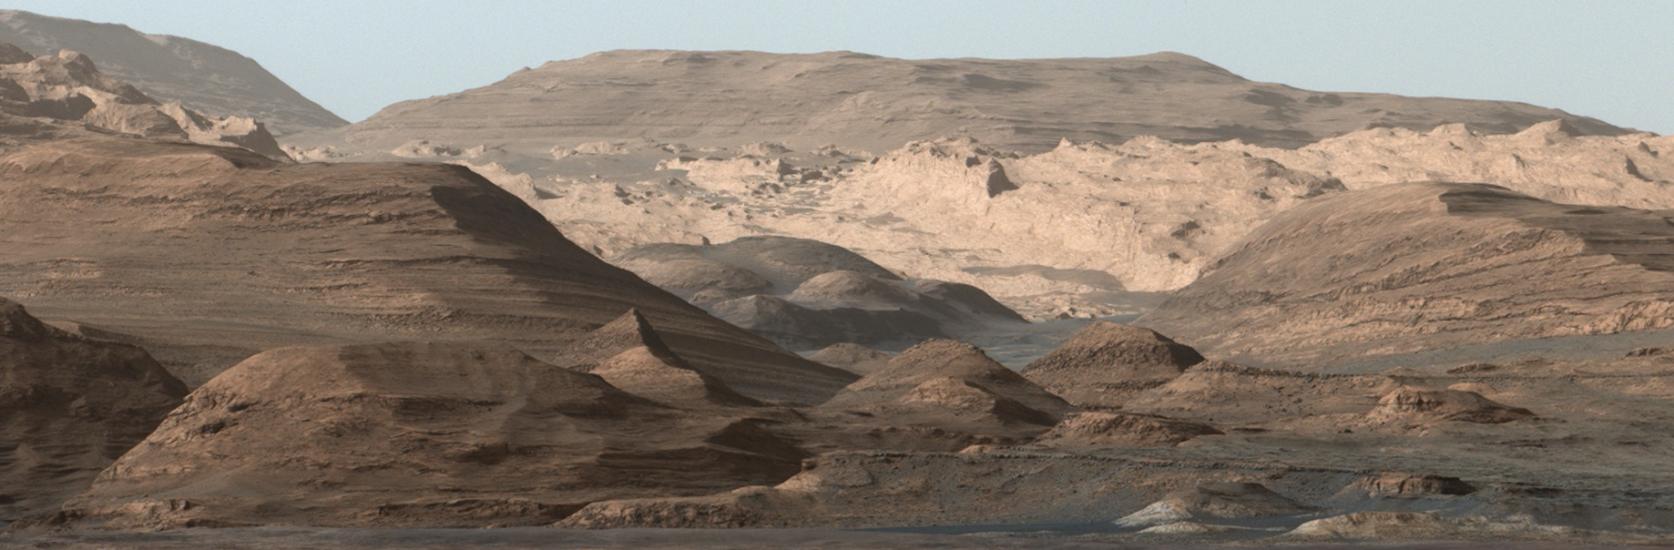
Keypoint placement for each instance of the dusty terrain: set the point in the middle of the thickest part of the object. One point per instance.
(377, 349)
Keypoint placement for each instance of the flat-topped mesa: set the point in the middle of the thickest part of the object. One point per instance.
(872, 103)
(1435, 266)
(469, 435)
(69, 406)
(1106, 361)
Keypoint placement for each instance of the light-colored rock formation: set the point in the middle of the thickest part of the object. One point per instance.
(69, 406)
(464, 436)
(1551, 160)
(67, 86)
(208, 78)
(1422, 525)
(1410, 267)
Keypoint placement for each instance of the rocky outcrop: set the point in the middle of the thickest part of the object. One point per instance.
(1412, 267)
(173, 69)
(1551, 160)
(69, 406)
(1399, 485)
(1106, 361)
(467, 436)
(630, 330)
(67, 86)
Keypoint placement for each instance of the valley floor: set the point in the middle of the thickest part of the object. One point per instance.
(266, 538)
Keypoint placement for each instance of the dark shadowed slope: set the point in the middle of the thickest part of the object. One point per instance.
(69, 406)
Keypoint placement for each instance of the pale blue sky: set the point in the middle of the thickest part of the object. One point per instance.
(1609, 59)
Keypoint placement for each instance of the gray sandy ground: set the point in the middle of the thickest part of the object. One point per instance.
(262, 539)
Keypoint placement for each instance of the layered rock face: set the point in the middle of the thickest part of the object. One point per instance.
(868, 102)
(418, 435)
(67, 86)
(215, 80)
(245, 253)
(1409, 267)
(69, 406)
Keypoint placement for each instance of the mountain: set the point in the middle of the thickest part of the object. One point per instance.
(853, 100)
(1415, 267)
(242, 253)
(209, 78)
